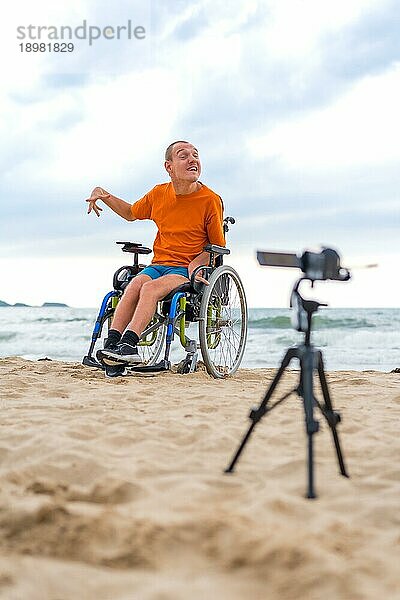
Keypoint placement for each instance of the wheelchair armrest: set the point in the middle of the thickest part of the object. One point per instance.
(214, 249)
(134, 248)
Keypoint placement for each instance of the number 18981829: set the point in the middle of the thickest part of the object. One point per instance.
(47, 47)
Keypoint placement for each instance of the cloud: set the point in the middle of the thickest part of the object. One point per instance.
(292, 105)
(367, 46)
(361, 127)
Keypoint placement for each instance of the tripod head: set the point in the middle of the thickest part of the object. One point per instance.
(302, 310)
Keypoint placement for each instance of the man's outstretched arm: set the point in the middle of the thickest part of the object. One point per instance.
(119, 206)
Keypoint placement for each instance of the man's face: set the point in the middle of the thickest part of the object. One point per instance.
(184, 164)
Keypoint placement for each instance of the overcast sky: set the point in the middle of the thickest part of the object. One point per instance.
(293, 105)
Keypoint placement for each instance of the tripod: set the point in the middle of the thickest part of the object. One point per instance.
(310, 360)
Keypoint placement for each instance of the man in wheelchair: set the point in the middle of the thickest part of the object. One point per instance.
(189, 216)
(149, 304)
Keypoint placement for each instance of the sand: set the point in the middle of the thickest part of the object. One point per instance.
(114, 489)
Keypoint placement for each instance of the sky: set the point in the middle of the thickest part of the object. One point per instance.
(293, 105)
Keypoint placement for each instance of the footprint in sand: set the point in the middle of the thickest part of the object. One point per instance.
(106, 491)
(11, 395)
(6, 579)
(207, 409)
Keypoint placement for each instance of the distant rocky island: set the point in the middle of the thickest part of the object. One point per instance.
(44, 305)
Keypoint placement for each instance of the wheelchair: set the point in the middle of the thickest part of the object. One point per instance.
(219, 309)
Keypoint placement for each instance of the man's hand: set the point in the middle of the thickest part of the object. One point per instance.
(97, 194)
(199, 276)
(200, 260)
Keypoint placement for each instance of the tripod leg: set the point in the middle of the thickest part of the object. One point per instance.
(258, 413)
(331, 416)
(310, 469)
(312, 426)
(231, 467)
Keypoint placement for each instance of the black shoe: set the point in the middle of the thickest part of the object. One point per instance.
(99, 353)
(110, 345)
(107, 346)
(122, 354)
(112, 371)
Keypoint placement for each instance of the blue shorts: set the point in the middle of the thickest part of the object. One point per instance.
(156, 271)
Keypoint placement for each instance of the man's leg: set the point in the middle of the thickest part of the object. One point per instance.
(127, 305)
(150, 293)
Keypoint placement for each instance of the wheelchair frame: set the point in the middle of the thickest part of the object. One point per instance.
(191, 302)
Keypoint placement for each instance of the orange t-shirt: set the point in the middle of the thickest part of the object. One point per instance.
(186, 222)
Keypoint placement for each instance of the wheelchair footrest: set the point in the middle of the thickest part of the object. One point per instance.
(163, 365)
(90, 361)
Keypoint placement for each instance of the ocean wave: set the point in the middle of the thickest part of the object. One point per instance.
(319, 322)
(58, 320)
(5, 336)
(278, 322)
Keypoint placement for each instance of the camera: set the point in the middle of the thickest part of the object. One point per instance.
(317, 266)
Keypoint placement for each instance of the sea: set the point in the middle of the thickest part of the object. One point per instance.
(350, 338)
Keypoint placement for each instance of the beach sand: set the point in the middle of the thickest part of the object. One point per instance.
(114, 489)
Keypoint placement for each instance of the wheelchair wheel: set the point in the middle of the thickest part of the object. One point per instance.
(223, 322)
(152, 340)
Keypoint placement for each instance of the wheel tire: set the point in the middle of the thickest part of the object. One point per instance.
(223, 322)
